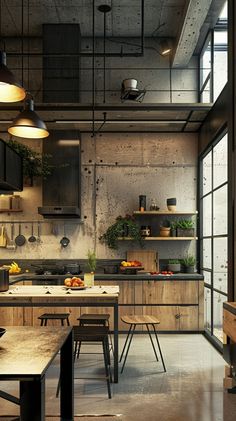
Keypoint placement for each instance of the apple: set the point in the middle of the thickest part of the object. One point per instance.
(68, 282)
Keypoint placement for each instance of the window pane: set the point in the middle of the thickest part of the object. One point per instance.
(221, 38)
(220, 265)
(206, 253)
(207, 308)
(220, 72)
(205, 64)
(206, 96)
(207, 216)
(220, 205)
(207, 173)
(224, 11)
(218, 300)
(220, 160)
(207, 277)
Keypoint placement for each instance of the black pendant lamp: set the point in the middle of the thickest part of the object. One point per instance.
(10, 88)
(28, 124)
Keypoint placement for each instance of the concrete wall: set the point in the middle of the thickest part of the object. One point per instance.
(116, 169)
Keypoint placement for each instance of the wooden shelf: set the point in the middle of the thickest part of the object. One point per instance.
(10, 210)
(160, 212)
(160, 238)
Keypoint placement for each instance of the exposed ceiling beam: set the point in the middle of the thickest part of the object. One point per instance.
(193, 19)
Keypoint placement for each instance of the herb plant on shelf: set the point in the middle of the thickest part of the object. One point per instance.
(185, 228)
(189, 263)
(123, 227)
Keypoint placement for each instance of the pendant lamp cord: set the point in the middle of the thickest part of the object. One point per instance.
(22, 41)
(1, 39)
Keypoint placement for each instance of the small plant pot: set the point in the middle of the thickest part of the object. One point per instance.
(189, 269)
(173, 232)
(187, 232)
(174, 267)
(165, 231)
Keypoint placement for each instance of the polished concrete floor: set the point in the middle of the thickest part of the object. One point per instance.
(191, 390)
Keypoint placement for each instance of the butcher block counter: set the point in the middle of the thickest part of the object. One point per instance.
(177, 300)
(229, 347)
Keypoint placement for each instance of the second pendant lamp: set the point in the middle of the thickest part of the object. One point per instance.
(28, 124)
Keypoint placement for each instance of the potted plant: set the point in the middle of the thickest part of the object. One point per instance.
(189, 264)
(185, 228)
(165, 229)
(173, 230)
(91, 265)
(174, 265)
(123, 227)
(34, 163)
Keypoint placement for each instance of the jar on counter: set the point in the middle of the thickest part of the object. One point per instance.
(142, 203)
(15, 202)
(4, 202)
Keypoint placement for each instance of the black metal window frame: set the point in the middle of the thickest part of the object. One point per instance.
(223, 132)
(221, 26)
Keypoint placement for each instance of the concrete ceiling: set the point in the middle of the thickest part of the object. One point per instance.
(123, 20)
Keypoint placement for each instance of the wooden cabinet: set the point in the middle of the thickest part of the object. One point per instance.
(178, 304)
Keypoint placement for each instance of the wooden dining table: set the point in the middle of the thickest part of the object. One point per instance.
(60, 296)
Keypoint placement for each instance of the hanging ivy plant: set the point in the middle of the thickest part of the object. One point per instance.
(123, 227)
(34, 163)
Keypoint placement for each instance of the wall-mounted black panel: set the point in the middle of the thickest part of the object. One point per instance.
(11, 169)
(61, 190)
(61, 75)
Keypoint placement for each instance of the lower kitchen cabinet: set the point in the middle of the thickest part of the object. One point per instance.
(178, 304)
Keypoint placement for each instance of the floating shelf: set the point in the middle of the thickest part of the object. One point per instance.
(160, 238)
(160, 212)
(10, 210)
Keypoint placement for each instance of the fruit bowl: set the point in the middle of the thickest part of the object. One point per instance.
(2, 331)
(131, 270)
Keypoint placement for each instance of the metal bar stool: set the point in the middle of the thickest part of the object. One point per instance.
(93, 334)
(96, 320)
(134, 321)
(54, 316)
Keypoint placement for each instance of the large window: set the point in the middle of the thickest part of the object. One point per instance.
(213, 60)
(214, 233)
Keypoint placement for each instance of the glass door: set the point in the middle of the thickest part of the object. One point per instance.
(214, 234)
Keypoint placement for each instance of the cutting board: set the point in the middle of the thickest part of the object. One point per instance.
(148, 258)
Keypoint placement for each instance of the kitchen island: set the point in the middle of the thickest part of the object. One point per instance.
(177, 300)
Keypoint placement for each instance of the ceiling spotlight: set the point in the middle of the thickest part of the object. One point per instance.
(165, 47)
(28, 124)
(10, 88)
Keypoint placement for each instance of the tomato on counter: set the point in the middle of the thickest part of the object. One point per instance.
(163, 272)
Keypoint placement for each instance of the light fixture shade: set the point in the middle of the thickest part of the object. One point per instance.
(28, 124)
(10, 89)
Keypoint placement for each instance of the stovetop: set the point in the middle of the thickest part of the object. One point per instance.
(57, 270)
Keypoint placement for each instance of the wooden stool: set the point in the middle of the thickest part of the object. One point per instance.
(54, 316)
(134, 321)
(96, 320)
(93, 334)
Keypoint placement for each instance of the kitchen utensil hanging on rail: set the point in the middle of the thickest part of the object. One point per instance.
(64, 240)
(10, 242)
(3, 238)
(32, 238)
(20, 239)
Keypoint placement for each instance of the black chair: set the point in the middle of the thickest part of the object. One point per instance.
(94, 334)
(96, 319)
(54, 316)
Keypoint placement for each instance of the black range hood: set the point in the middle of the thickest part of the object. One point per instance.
(62, 189)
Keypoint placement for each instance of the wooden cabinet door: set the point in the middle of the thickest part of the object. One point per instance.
(170, 292)
(188, 319)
